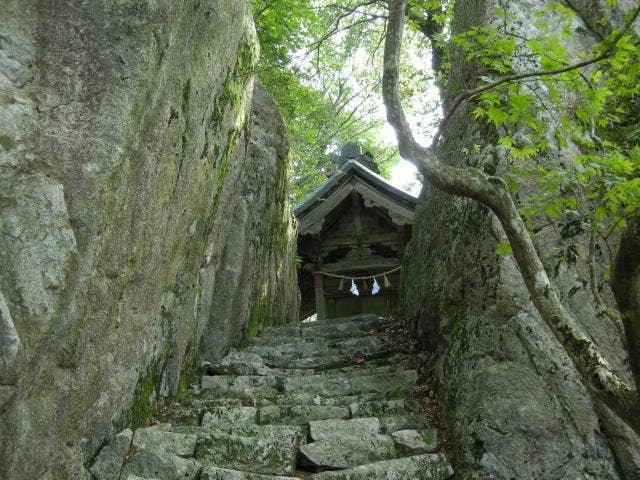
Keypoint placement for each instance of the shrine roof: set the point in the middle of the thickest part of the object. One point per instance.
(353, 176)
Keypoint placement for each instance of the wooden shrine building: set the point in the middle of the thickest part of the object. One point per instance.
(355, 225)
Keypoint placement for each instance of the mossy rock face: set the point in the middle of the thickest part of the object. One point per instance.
(131, 180)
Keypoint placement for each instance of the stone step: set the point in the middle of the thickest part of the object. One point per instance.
(237, 382)
(367, 369)
(251, 368)
(303, 398)
(299, 414)
(294, 434)
(244, 394)
(343, 385)
(320, 347)
(394, 423)
(265, 456)
(333, 360)
(180, 414)
(150, 465)
(218, 416)
(346, 451)
(415, 442)
(108, 463)
(419, 467)
(281, 354)
(334, 328)
(190, 412)
(386, 365)
(320, 430)
(378, 408)
(164, 442)
(307, 342)
(205, 399)
(214, 473)
(239, 363)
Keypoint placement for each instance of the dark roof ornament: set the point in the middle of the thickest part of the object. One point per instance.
(353, 151)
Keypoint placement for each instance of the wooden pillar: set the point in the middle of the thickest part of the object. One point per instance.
(319, 288)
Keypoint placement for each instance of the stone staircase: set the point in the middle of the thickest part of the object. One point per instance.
(322, 400)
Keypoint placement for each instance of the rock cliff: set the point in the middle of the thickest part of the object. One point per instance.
(515, 404)
(144, 221)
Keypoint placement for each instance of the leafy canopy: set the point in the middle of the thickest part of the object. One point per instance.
(599, 122)
(322, 61)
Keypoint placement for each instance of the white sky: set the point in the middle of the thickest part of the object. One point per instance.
(403, 175)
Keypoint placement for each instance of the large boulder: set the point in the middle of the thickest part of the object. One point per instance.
(516, 405)
(138, 189)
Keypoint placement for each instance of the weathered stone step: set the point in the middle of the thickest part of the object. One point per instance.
(346, 451)
(190, 412)
(333, 328)
(241, 392)
(344, 385)
(394, 423)
(239, 363)
(389, 364)
(150, 465)
(299, 414)
(304, 398)
(307, 342)
(266, 456)
(406, 442)
(250, 364)
(320, 363)
(415, 442)
(164, 442)
(281, 356)
(320, 430)
(294, 434)
(220, 416)
(108, 463)
(214, 473)
(237, 382)
(379, 408)
(419, 467)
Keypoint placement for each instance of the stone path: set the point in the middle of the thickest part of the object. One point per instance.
(322, 400)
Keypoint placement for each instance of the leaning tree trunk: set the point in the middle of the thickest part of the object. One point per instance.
(491, 191)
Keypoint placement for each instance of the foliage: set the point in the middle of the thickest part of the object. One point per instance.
(599, 123)
(321, 62)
